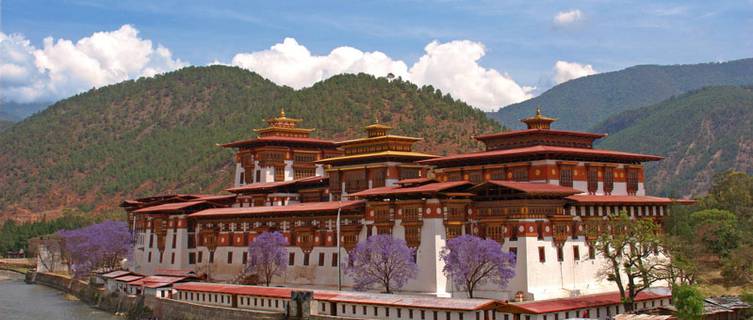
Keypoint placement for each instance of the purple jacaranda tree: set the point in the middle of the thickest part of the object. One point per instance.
(266, 256)
(381, 259)
(472, 261)
(98, 246)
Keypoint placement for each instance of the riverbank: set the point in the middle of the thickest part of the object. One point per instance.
(20, 301)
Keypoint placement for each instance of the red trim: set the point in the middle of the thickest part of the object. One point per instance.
(539, 131)
(536, 150)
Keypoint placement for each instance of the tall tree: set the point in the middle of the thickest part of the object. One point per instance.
(688, 301)
(383, 260)
(472, 261)
(98, 246)
(628, 247)
(266, 256)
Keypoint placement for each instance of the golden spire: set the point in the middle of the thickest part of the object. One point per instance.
(538, 121)
(282, 113)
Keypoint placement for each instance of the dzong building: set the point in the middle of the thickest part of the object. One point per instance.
(542, 193)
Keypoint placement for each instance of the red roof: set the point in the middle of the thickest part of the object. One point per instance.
(128, 278)
(532, 187)
(116, 274)
(291, 208)
(272, 292)
(213, 197)
(170, 206)
(587, 198)
(275, 139)
(276, 184)
(539, 131)
(581, 302)
(425, 302)
(156, 281)
(535, 150)
(175, 273)
(414, 181)
(426, 188)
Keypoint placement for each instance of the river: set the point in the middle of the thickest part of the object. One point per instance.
(20, 301)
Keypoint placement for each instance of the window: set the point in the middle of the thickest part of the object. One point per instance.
(192, 258)
(211, 256)
(591, 252)
(299, 173)
(566, 176)
(230, 257)
(279, 173)
(632, 181)
(409, 173)
(542, 255)
(304, 157)
(560, 254)
(475, 177)
(291, 258)
(399, 312)
(608, 180)
(160, 257)
(540, 230)
(378, 177)
(353, 309)
(245, 257)
(172, 258)
(520, 174)
(376, 311)
(321, 264)
(306, 258)
(175, 239)
(364, 310)
(151, 241)
(497, 174)
(334, 260)
(514, 251)
(576, 253)
(201, 255)
(149, 257)
(593, 179)
(495, 232)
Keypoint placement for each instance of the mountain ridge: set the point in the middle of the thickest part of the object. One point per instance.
(582, 103)
(159, 134)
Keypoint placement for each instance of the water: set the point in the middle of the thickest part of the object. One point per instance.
(20, 301)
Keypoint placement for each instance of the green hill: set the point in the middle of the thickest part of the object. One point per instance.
(582, 103)
(159, 134)
(5, 124)
(700, 133)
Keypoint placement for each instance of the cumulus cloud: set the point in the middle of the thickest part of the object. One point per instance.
(292, 64)
(451, 67)
(61, 67)
(564, 18)
(565, 71)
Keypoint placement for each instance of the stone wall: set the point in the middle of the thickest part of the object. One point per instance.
(166, 309)
(163, 309)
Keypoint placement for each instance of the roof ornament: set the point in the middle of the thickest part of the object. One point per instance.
(538, 121)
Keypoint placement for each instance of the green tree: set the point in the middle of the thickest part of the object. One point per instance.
(717, 230)
(688, 301)
(629, 246)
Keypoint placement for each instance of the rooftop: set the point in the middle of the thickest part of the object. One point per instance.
(407, 155)
(540, 150)
(426, 188)
(532, 188)
(581, 302)
(291, 208)
(156, 281)
(116, 274)
(277, 184)
(170, 207)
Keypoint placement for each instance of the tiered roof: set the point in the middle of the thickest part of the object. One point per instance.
(282, 130)
(269, 187)
(378, 146)
(298, 208)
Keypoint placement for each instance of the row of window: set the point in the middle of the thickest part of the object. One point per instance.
(399, 313)
(561, 254)
(307, 259)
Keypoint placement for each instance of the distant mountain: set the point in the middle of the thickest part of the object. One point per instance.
(159, 134)
(582, 103)
(5, 124)
(700, 133)
(14, 111)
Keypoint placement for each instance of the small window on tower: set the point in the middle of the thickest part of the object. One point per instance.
(566, 176)
(576, 253)
(542, 255)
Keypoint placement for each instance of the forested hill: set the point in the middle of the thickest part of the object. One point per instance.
(700, 133)
(582, 103)
(5, 124)
(158, 135)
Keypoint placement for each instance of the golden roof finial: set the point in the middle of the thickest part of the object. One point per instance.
(282, 112)
(538, 111)
(538, 121)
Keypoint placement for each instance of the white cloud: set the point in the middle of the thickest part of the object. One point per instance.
(291, 64)
(62, 68)
(451, 67)
(564, 18)
(565, 71)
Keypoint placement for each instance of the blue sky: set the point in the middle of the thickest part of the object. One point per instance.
(521, 40)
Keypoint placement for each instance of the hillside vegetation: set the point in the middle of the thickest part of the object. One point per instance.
(701, 134)
(158, 135)
(583, 103)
